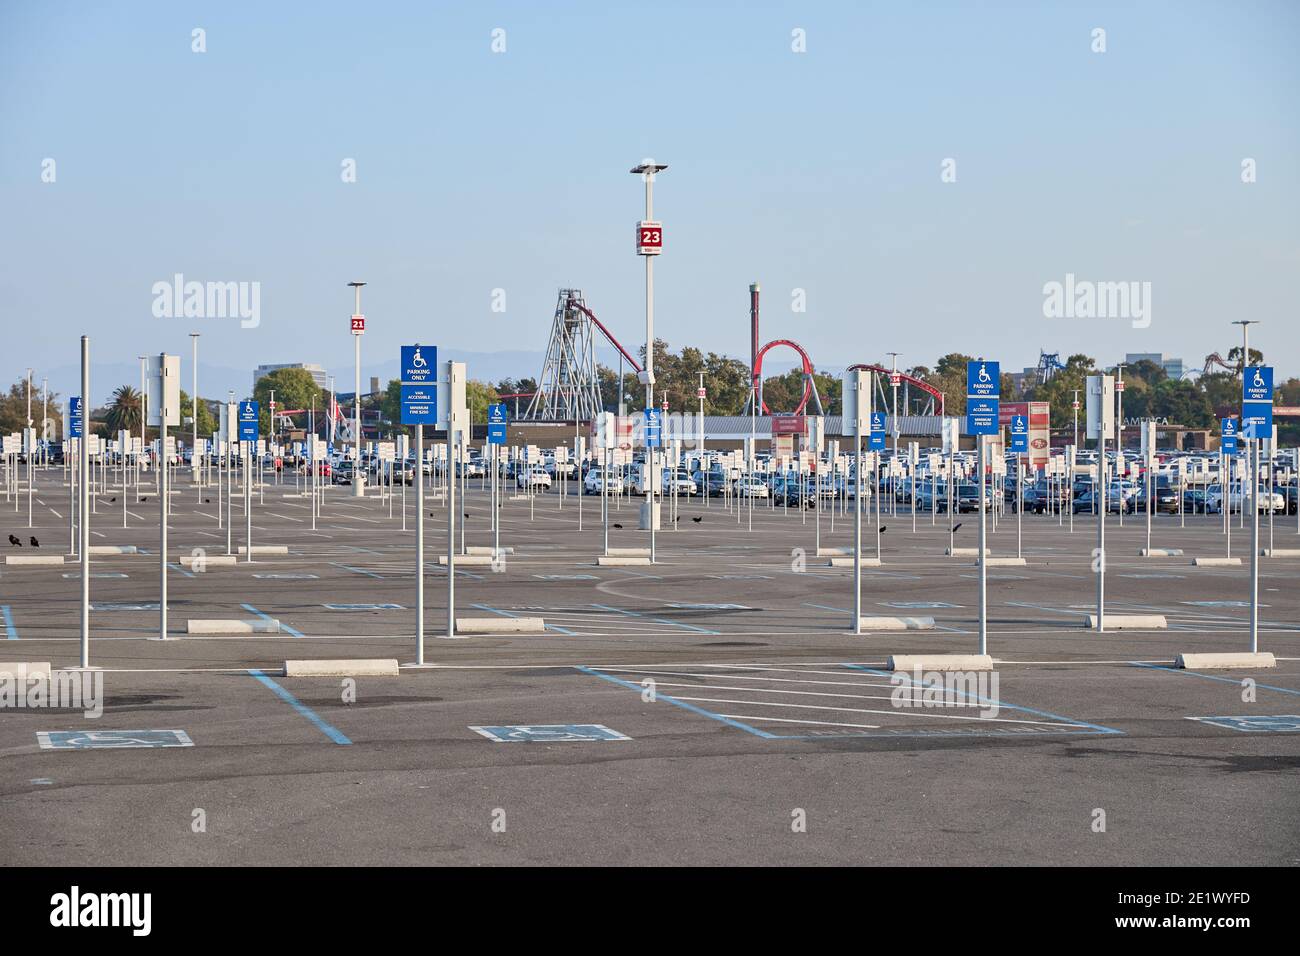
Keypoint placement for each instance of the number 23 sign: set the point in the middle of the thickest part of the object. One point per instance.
(649, 238)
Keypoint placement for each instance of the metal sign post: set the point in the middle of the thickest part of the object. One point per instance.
(165, 409)
(248, 431)
(857, 395)
(983, 394)
(419, 406)
(1101, 422)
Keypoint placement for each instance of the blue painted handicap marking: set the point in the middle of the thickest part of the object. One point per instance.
(1256, 723)
(548, 733)
(111, 739)
(363, 607)
(917, 604)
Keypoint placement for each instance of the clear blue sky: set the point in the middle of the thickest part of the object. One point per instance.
(818, 171)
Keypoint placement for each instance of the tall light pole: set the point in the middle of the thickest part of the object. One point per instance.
(893, 384)
(45, 421)
(194, 407)
(649, 243)
(1076, 422)
(144, 403)
(358, 329)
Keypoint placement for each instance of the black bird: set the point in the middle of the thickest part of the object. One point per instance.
(699, 519)
(882, 530)
(111, 500)
(466, 515)
(14, 542)
(956, 526)
(206, 501)
(35, 543)
(142, 500)
(619, 526)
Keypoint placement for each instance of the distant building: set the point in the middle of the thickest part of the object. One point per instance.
(317, 372)
(1173, 366)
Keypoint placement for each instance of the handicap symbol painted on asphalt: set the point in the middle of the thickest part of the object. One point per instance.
(548, 733)
(111, 739)
(1256, 723)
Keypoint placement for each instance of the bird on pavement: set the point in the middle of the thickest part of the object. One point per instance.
(619, 526)
(111, 500)
(882, 530)
(35, 543)
(956, 526)
(699, 519)
(14, 542)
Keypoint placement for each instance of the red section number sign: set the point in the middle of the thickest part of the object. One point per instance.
(649, 238)
(358, 324)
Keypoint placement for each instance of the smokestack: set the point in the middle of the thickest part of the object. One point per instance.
(753, 337)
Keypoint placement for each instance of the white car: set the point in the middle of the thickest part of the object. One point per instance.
(682, 483)
(534, 477)
(1238, 497)
(751, 488)
(597, 481)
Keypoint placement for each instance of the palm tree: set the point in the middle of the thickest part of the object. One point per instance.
(124, 412)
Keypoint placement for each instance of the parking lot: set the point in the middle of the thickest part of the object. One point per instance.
(712, 707)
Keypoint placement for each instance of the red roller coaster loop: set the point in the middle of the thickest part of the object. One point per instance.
(807, 371)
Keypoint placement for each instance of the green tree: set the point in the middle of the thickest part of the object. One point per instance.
(207, 421)
(13, 410)
(294, 388)
(123, 412)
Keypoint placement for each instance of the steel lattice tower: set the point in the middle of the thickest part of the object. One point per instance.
(568, 389)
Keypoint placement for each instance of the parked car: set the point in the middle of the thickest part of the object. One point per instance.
(751, 487)
(679, 481)
(534, 477)
(598, 480)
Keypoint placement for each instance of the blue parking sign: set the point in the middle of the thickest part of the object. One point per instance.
(983, 379)
(497, 420)
(1257, 384)
(419, 384)
(76, 420)
(1228, 430)
(876, 435)
(248, 421)
(1256, 419)
(982, 416)
(1020, 433)
(652, 426)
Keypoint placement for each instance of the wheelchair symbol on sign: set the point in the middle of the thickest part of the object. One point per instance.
(1258, 380)
(418, 360)
(984, 374)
